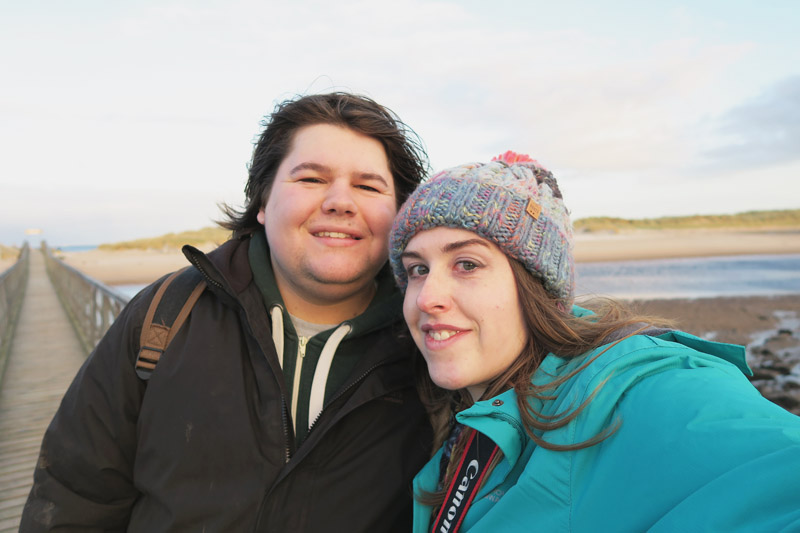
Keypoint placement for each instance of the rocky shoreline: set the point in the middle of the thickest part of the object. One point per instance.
(768, 326)
(776, 363)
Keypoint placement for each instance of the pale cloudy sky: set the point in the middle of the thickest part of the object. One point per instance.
(130, 119)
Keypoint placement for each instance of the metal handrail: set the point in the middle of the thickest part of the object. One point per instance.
(90, 305)
(13, 283)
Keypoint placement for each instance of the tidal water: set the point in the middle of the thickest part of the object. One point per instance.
(129, 290)
(77, 248)
(696, 277)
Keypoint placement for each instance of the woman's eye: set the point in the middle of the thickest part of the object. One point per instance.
(310, 180)
(467, 266)
(413, 271)
(368, 188)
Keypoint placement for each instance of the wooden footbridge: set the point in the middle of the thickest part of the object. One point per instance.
(48, 325)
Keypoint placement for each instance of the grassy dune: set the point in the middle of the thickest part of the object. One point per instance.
(8, 252)
(200, 238)
(748, 220)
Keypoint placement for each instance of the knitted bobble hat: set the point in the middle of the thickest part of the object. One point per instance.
(512, 201)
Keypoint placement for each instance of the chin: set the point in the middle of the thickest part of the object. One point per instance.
(448, 384)
(339, 276)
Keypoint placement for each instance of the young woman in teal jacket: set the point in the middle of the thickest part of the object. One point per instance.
(550, 417)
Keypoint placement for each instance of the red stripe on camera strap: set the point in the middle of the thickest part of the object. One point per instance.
(478, 453)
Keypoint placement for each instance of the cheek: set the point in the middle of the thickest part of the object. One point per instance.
(270, 213)
(515, 330)
(410, 312)
(502, 320)
(290, 205)
(380, 218)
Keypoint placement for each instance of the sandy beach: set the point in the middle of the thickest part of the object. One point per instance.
(144, 266)
(662, 244)
(6, 264)
(123, 267)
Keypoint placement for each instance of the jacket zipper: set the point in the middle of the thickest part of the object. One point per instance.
(205, 274)
(352, 384)
(298, 368)
(311, 427)
(284, 418)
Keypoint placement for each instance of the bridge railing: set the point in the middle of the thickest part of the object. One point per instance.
(90, 305)
(13, 282)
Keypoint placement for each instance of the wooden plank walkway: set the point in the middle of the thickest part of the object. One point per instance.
(45, 355)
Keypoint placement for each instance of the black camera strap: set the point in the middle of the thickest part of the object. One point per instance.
(478, 454)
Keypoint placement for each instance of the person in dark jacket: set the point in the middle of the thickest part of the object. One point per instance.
(286, 401)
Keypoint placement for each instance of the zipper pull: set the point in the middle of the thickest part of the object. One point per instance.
(302, 348)
(298, 368)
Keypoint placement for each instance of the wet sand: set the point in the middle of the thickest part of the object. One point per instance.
(735, 319)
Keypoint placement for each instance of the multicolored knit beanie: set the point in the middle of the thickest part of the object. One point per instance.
(512, 201)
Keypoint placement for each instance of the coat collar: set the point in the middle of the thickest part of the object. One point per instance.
(498, 418)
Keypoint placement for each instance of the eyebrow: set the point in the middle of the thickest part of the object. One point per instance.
(463, 244)
(449, 247)
(310, 166)
(323, 169)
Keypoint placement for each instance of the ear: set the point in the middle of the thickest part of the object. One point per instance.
(260, 216)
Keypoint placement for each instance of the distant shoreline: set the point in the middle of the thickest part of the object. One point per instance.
(144, 266)
(667, 244)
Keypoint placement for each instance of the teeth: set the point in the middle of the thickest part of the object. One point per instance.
(333, 234)
(442, 334)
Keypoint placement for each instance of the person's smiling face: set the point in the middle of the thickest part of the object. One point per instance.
(462, 307)
(328, 216)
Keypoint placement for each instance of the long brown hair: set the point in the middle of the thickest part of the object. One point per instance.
(551, 329)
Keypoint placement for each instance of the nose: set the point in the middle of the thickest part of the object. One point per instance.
(339, 198)
(434, 294)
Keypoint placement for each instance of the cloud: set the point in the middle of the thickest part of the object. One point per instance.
(157, 98)
(79, 215)
(762, 132)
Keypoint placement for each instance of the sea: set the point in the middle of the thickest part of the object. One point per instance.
(695, 277)
(77, 247)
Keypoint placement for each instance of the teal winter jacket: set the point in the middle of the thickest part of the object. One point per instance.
(697, 449)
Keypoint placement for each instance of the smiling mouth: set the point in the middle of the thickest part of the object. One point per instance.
(441, 334)
(336, 235)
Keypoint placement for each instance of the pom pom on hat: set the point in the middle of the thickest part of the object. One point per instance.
(512, 201)
(513, 157)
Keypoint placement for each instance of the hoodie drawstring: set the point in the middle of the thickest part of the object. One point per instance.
(321, 373)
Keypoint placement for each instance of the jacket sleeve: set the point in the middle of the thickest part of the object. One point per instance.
(699, 449)
(83, 478)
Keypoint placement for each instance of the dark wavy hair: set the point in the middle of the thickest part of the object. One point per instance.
(408, 160)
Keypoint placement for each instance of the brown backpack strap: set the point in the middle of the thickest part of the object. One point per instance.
(166, 315)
